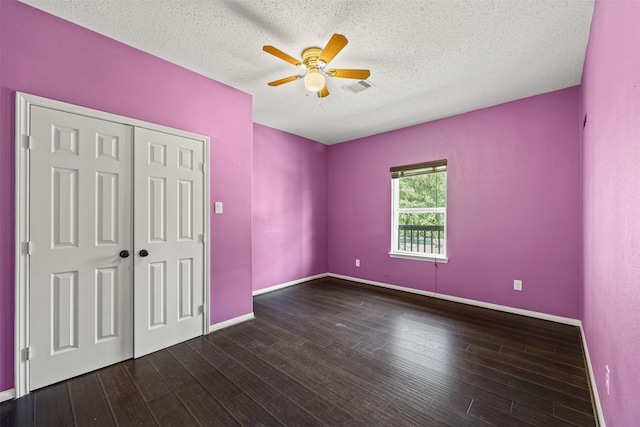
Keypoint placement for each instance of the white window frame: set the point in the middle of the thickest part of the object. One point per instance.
(396, 210)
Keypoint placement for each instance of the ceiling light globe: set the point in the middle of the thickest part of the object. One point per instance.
(314, 81)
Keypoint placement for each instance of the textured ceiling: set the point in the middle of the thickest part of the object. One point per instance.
(428, 59)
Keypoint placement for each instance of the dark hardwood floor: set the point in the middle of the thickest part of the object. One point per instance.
(335, 353)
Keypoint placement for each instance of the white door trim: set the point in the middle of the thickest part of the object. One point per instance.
(23, 103)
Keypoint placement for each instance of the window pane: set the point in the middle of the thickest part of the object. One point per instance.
(421, 233)
(423, 191)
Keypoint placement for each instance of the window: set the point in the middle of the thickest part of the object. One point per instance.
(419, 211)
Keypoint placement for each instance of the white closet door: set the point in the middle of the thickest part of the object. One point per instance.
(80, 291)
(168, 240)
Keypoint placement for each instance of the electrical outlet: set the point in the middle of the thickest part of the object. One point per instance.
(517, 285)
(607, 378)
(357, 263)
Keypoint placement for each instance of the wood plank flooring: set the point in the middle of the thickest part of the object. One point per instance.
(336, 353)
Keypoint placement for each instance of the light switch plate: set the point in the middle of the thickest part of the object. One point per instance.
(218, 207)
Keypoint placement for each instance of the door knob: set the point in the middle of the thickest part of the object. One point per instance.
(124, 254)
(143, 252)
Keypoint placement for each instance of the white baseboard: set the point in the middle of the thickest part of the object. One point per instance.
(592, 379)
(7, 394)
(231, 322)
(383, 285)
(287, 284)
(512, 310)
(505, 308)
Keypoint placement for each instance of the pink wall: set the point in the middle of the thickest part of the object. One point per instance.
(50, 57)
(514, 185)
(289, 207)
(513, 210)
(611, 206)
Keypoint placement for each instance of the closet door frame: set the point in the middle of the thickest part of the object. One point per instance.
(24, 102)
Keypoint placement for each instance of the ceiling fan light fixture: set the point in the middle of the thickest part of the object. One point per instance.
(314, 81)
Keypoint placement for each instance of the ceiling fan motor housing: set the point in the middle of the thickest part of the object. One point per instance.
(310, 58)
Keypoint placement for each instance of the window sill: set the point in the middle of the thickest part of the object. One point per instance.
(410, 255)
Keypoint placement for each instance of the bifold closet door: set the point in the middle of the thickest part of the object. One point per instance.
(168, 240)
(80, 284)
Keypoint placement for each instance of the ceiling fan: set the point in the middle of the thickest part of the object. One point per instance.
(314, 63)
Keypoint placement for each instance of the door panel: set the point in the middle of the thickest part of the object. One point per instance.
(64, 311)
(185, 288)
(157, 211)
(106, 303)
(168, 212)
(80, 294)
(65, 207)
(185, 215)
(107, 208)
(157, 294)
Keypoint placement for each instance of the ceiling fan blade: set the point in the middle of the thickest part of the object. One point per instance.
(323, 93)
(335, 45)
(280, 54)
(349, 74)
(283, 81)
